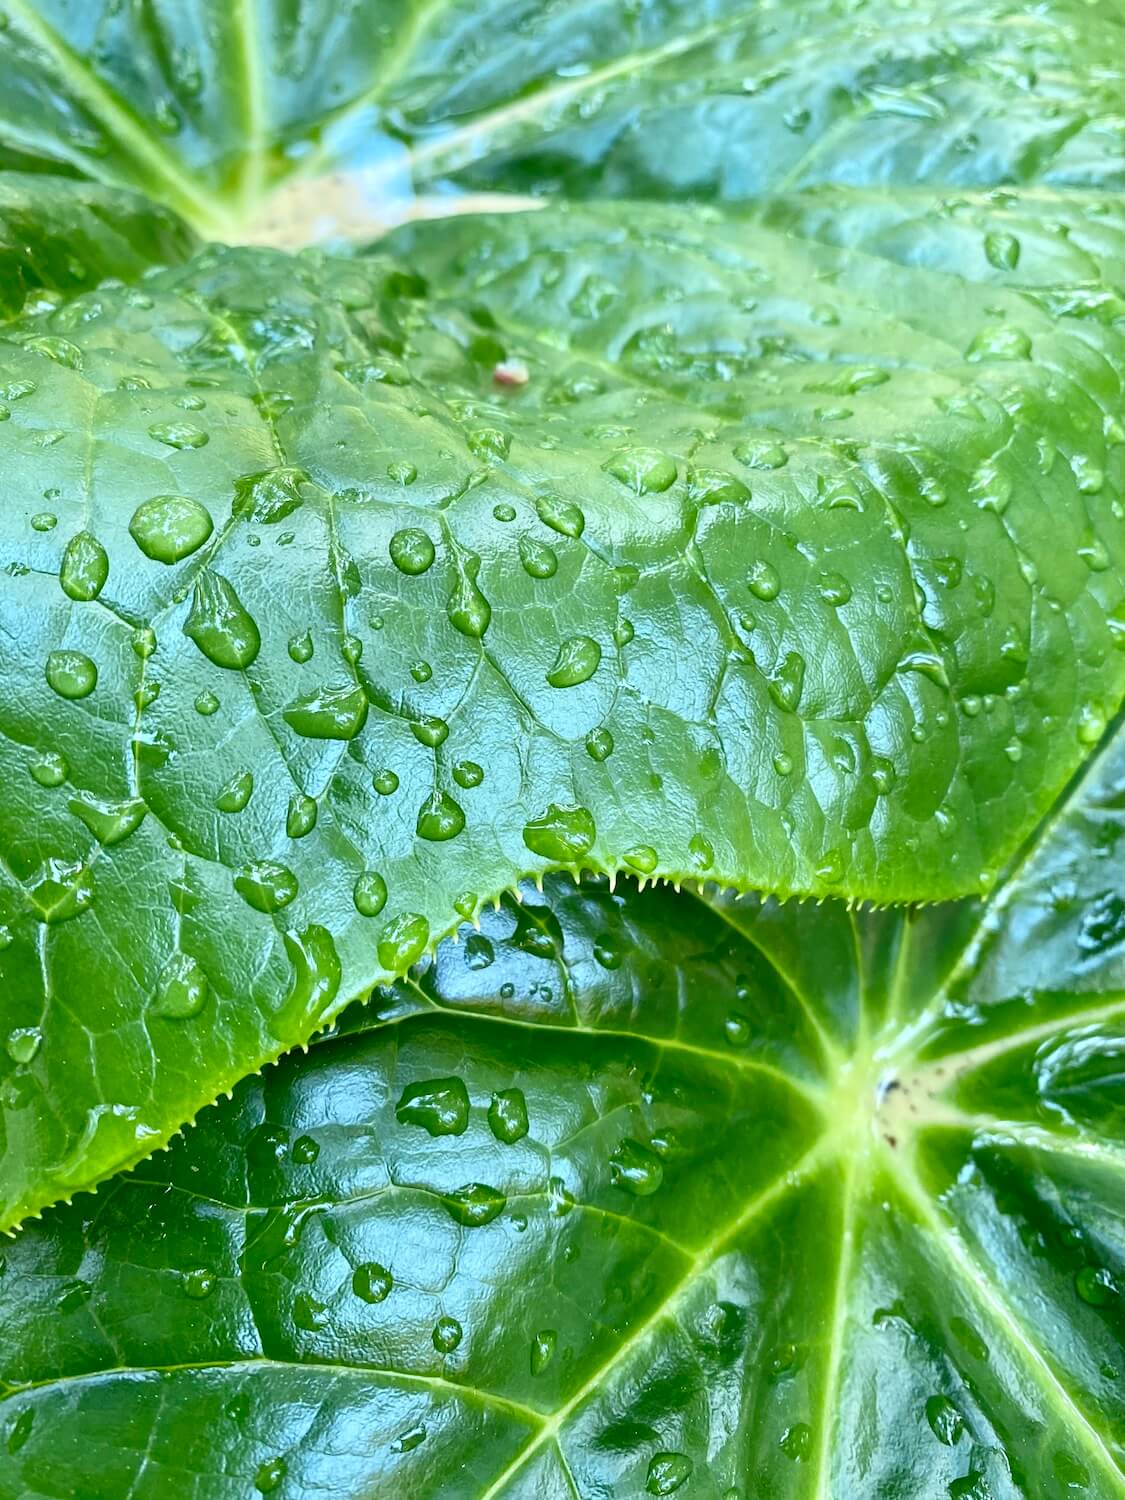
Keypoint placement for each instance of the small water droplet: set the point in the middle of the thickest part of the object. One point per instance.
(543, 1345)
(385, 783)
(439, 818)
(945, 1420)
(1096, 1286)
(507, 1116)
(199, 1283)
(834, 589)
(447, 1335)
(206, 704)
(796, 1441)
(302, 815)
(1002, 250)
(269, 1475)
(301, 647)
(23, 1043)
(599, 744)
(763, 581)
(539, 560)
(402, 471)
(787, 683)
(643, 858)
(1001, 342)
(429, 731)
(467, 774)
(561, 515)
(49, 768)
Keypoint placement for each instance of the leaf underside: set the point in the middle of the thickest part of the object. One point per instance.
(742, 506)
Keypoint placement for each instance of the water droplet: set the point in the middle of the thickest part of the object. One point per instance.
(402, 471)
(351, 649)
(429, 731)
(787, 683)
(599, 744)
(181, 991)
(623, 633)
(991, 489)
(206, 704)
(412, 552)
(999, 343)
(927, 664)
(761, 455)
(219, 624)
(945, 1420)
(336, 712)
(305, 1150)
(1091, 724)
(1096, 1286)
(667, 1472)
(49, 768)
(301, 647)
(403, 942)
(702, 854)
(412, 1438)
(370, 894)
(783, 763)
(1088, 475)
(507, 1116)
(385, 783)
(763, 580)
(1002, 251)
(60, 891)
(447, 1335)
(737, 1029)
(469, 611)
(539, 560)
(882, 774)
(71, 674)
(474, 1204)
(23, 1043)
(301, 817)
(563, 834)
(796, 1441)
(168, 528)
(179, 435)
(1094, 553)
(636, 1169)
(199, 1283)
(372, 1282)
(716, 486)
(488, 442)
(467, 774)
(643, 858)
(20, 1430)
(834, 589)
(577, 661)
(643, 470)
(421, 671)
(560, 515)
(504, 512)
(543, 1345)
(266, 886)
(270, 495)
(236, 793)
(439, 818)
(269, 1475)
(85, 567)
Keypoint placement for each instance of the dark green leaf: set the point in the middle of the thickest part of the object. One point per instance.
(632, 1194)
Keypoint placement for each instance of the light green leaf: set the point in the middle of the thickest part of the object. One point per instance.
(317, 638)
(626, 1195)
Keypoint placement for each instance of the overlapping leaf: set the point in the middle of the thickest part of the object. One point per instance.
(632, 1194)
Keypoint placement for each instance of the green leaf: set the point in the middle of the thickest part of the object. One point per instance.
(318, 639)
(626, 1194)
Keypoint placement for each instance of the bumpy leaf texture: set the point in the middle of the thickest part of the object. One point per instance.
(632, 1194)
(774, 539)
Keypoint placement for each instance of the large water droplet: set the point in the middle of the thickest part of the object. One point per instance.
(403, 942)
(507, 1116)
(372, 1282)
(370, 894)
(220, 625)
(636, 1169)
(560, 515)
(85, 567)
(71, 674)
(181, 990)
(539, 560)
(667, 1472)
(412, 551)
(475, 1204)
(337, 712)
(469, 611)
(563, 834)
(170, 527)
(60, 891)
(439, 818)
(577, 661)
(643, 470)
(109, 822)
(270, 495)
(265, 885)
(237, 792)
(179, 434)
